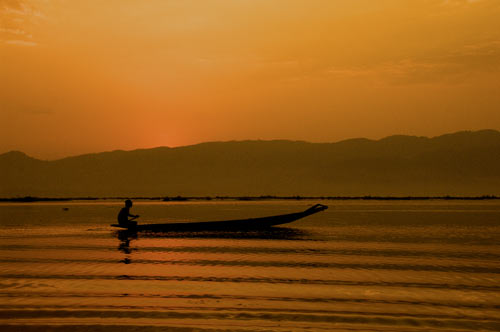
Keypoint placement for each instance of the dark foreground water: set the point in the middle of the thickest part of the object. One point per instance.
(359, 266)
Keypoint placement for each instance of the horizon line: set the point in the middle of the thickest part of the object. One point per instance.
(180, 198)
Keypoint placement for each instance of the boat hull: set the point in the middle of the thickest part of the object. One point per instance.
(227, 225)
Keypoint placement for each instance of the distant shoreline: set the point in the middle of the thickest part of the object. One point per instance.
(30, 199)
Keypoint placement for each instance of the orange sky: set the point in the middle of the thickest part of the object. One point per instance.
(92, 75)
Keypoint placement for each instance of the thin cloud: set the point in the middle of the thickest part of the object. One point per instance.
(451, 67)
(15, 7)
(15, 17)
(16, 4)
(21, 43)
(13, 31)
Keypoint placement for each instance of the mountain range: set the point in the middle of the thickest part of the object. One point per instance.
(463, 163)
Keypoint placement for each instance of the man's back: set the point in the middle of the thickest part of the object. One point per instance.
(123, 215)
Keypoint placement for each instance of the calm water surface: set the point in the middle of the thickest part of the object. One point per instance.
(358, 266)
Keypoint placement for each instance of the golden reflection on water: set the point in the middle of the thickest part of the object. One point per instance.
(397, 267)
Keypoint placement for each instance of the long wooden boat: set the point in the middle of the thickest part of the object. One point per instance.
(230, 225)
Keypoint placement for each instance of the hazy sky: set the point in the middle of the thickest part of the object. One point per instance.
(80, 76)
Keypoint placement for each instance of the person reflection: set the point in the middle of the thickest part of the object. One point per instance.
(125, 237)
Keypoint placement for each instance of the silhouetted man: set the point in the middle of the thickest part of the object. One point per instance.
(123, 219)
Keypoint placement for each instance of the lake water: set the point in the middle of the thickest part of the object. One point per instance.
(358, 266)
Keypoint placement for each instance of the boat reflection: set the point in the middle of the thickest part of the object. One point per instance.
(271, 233)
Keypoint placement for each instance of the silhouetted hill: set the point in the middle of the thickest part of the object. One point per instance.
(463, 163)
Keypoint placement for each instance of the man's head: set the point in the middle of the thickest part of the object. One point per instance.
(128, 203)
